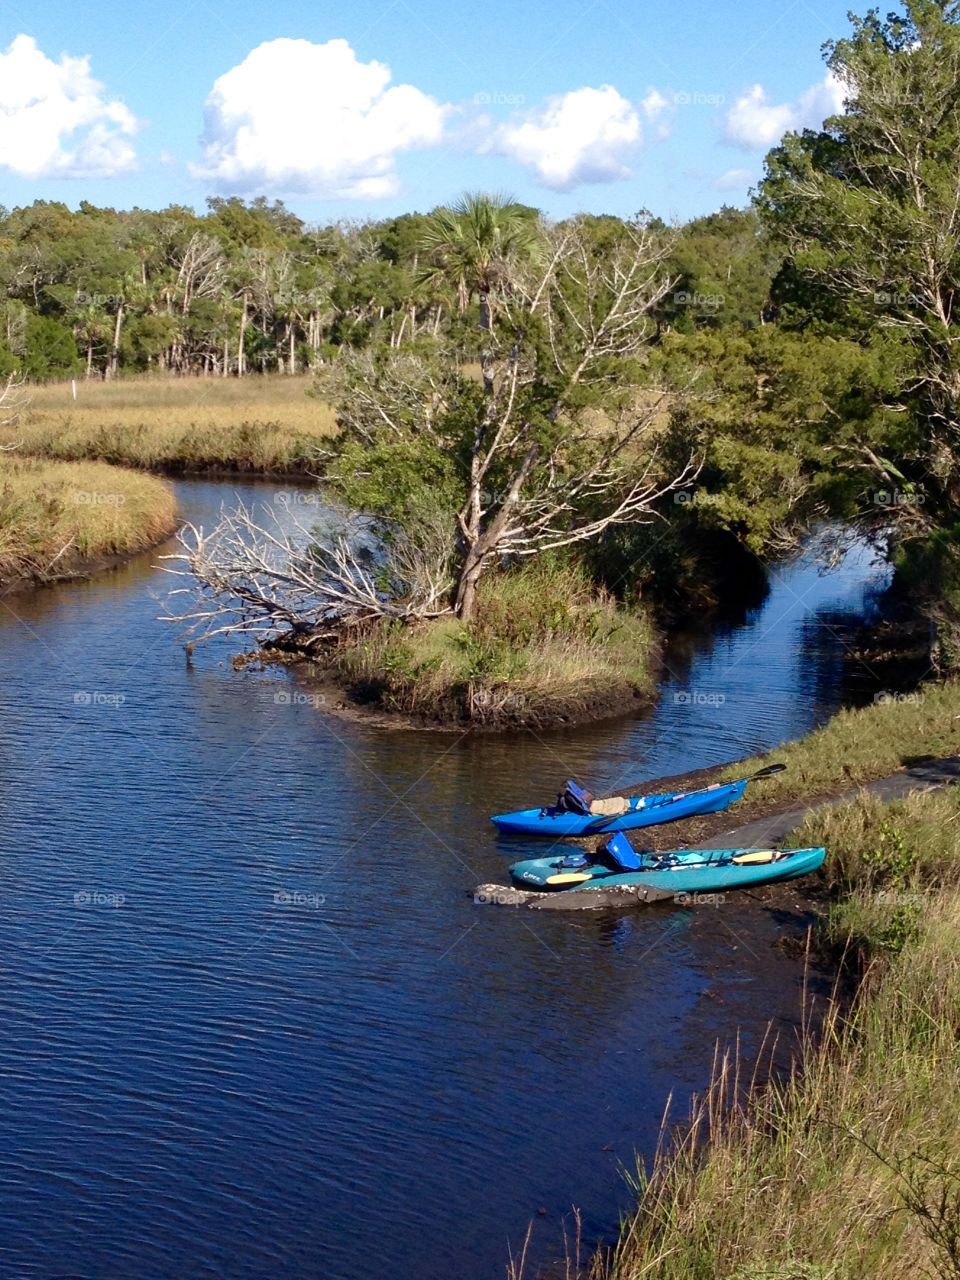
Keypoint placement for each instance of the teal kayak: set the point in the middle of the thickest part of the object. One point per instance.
(578, 814)
(680, 871)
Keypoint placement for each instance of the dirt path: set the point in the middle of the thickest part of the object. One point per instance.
(773, 827)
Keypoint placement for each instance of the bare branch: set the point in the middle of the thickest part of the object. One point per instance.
(276, 578)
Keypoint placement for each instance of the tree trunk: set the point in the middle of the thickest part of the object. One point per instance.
(465, 602)
(292, 362)
(115, 353)
(243, 331)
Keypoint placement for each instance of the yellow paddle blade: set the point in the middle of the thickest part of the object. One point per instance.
(755, 856)
(569, 877)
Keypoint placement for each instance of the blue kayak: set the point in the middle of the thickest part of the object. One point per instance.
(578, 814)
(680, 871)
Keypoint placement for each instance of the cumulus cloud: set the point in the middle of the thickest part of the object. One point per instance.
(574, 138)
(295, 116)
(755, 123)
(55, 121)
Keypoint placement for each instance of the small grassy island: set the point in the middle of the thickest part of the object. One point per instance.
(60, 519)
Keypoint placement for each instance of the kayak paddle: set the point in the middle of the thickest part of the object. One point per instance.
(767, 772)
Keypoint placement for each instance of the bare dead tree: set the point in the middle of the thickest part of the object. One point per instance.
(551, 447)
(277, 577)
(13, 401)
(529, 489)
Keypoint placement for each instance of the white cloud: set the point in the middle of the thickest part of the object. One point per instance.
(755, 123)
(654, 104)
(55, 121)
(576, 137)
(300, 117)
(733, 180)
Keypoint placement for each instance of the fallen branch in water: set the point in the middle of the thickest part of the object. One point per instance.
(277, 578)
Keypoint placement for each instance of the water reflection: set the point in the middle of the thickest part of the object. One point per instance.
(298, 1047)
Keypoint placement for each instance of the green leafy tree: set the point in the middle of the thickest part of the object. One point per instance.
(870, 211)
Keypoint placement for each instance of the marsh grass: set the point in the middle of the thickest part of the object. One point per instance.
(258, 424)
(846, 1167)
(56, 515)
(543, 643)
(864, 743)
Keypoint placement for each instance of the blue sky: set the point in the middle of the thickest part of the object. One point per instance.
(389, 105)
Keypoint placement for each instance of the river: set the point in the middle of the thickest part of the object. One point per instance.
(252, 1023)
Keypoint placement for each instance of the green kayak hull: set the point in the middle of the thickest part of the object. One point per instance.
(680, 871)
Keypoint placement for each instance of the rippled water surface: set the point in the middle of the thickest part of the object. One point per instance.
(252, 1023)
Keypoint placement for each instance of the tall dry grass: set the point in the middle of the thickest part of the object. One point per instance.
(54, 516)
(543, 644)
(862, 744)
(258, 424)
(848, 1166)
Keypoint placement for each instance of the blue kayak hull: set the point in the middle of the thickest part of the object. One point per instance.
(692, 871)
(644, 811)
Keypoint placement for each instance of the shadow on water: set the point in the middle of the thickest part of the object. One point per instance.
(252, 1022)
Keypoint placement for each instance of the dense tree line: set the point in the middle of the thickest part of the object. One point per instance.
(250, 288)
(804, 352)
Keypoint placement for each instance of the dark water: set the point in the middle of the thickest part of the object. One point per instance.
(252, 1023)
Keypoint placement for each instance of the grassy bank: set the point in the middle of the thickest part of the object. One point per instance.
(256, 424)
(864, 744)
(849, 1168)
(544, 648)
(58, 518)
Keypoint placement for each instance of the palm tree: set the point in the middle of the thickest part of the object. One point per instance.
(474, 243)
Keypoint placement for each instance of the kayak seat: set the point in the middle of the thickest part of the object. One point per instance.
(574, 799)
(619, 854)
(611, 807)
(754, 857)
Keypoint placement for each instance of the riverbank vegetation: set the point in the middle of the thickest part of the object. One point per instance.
(864, 743)
(544, 647)
(490, 386)
(847, 1166)
(58, 519)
